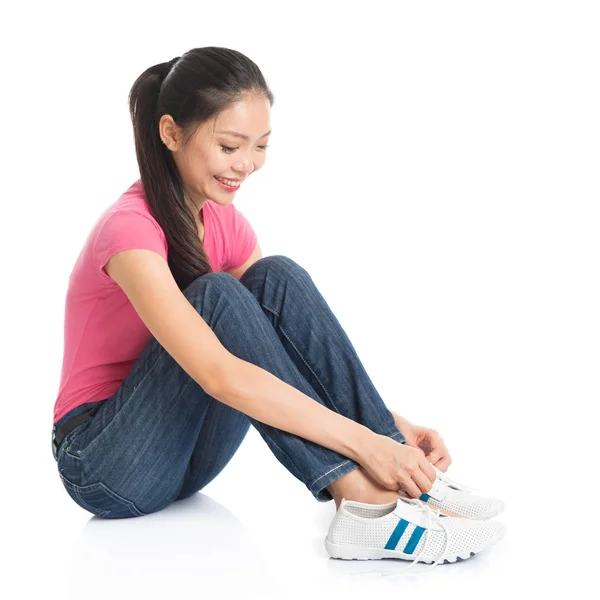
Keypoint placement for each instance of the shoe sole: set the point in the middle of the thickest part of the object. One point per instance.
(347, 552)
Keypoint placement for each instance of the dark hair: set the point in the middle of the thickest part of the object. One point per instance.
(192, 88)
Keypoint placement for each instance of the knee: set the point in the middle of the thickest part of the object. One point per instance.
(279, 263)
(207, 290)
(235, 290)
(220, 280)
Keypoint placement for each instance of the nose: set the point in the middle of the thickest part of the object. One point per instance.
(245, 166)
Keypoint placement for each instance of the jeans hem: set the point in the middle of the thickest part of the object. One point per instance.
(317, 487)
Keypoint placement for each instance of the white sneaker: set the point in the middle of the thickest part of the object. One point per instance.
(406, 529)
(457, 500)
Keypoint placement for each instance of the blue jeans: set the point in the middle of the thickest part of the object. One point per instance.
(161, 437)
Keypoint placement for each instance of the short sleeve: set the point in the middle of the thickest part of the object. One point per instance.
(127, 230)
(241, 241)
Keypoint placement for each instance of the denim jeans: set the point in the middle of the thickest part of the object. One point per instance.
(161, 437)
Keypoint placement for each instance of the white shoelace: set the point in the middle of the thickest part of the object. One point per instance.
(431, 514)
(459, 486)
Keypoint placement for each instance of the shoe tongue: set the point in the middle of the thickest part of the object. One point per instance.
(406, 509)
(438, 491)
(414, 513)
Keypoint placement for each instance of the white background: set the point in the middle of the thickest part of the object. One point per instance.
(434, 166)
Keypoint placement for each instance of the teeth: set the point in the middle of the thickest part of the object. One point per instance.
(229, 182)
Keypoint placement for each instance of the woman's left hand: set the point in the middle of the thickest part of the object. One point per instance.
(427, 440)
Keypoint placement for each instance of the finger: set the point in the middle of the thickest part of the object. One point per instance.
(421, 477)
(410, 490)
(409, 486)
(438, 448)
(428, 471)
(435, 456)
(444, 463)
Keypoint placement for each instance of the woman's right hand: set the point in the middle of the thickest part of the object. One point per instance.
(394, 465)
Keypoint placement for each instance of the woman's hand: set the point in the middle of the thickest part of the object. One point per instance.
(427, 440)
(396, 466)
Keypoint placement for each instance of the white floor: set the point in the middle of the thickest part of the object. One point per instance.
(256, 532)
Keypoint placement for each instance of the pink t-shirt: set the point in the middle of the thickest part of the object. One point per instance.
(103, 334)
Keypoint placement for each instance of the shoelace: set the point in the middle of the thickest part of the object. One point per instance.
(431, 514)
(460, 486)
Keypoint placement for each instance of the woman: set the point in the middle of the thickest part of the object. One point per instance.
(179, 335)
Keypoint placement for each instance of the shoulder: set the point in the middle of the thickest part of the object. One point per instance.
(130, 208)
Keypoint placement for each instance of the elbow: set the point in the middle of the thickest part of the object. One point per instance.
(216, 383)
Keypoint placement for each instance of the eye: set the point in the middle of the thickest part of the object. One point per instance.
(229, 149)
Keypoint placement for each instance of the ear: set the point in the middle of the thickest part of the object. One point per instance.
(170, 132)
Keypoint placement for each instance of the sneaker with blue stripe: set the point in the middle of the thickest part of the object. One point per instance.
(457, 500)
(406, 529)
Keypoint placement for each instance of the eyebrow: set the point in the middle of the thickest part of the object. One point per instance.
(241, 135)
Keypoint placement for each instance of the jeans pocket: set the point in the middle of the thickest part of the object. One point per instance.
(100, 500)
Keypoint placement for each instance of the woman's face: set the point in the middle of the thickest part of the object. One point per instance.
(211, 153)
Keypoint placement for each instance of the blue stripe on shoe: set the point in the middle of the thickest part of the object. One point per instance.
(424, 497)
(396, 535)
(414, 540)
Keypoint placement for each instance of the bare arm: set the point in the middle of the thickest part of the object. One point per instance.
(266, 398)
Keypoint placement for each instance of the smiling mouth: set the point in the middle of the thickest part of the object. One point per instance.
(228, 182)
